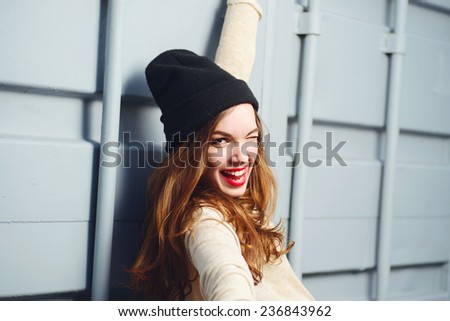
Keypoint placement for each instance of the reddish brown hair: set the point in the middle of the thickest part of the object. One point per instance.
(174, 193)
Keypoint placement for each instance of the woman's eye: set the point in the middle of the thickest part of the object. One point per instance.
(218, 141)
(253, 138)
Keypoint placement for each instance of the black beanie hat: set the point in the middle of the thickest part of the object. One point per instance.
(191, 90)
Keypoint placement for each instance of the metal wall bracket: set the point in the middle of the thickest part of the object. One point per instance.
(391, 43)
(307, 23)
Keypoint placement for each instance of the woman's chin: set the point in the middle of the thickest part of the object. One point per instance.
(233, 191)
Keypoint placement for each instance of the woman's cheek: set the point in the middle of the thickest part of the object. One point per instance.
(215, 158)
(252, 153)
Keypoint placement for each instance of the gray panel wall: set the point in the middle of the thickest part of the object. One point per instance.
(50, 120)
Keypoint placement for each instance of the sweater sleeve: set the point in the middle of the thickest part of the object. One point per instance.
(215, 252)
(236, 50)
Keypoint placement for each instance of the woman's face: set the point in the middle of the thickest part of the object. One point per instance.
(232, 149)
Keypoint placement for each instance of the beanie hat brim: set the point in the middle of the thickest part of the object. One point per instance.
(194, 114)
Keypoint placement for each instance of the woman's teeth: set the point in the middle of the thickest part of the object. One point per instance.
(235, 173)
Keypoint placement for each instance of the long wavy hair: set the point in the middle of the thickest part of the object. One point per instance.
(175, 192)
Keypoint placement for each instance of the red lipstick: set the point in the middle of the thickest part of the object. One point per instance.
(235, 176)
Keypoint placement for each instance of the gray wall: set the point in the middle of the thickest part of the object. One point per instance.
(51, 82)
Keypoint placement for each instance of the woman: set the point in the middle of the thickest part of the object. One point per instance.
(208, 234)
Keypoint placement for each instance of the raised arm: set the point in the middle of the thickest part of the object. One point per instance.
(236, 50)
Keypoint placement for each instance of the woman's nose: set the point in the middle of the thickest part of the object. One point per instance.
(239, 154)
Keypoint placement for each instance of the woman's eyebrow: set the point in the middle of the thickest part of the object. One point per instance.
(219, 132)
(253, 131)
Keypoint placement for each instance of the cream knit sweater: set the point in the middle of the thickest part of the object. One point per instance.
(236, 50)
(221, 272)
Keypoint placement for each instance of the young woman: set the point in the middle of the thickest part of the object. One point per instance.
(208, 234)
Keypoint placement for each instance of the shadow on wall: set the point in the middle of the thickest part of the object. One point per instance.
(139, 156)
(135, 84)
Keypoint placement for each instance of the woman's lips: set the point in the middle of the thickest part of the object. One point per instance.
(235, 176)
